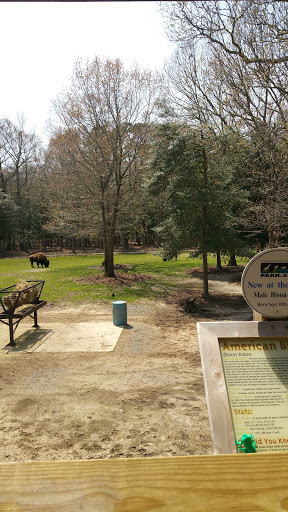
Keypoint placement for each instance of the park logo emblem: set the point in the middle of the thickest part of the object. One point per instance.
(274, 269)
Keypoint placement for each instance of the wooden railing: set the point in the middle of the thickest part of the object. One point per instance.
(226, 483)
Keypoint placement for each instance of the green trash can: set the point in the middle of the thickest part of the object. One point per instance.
(119, 310)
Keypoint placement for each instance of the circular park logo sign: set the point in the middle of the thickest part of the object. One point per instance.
(265, 283)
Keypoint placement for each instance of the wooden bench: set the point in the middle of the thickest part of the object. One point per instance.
(215, 483)
(13, 319)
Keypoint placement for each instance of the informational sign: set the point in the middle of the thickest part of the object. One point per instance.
(256, 374)
(245, 371)
(265, 283)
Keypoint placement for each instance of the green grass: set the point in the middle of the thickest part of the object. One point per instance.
(61, 277)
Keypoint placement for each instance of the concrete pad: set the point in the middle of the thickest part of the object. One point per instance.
(61, 337)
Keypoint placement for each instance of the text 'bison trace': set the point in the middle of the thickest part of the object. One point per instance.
(40, 259)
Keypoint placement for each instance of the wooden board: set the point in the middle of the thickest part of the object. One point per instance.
(248, 482)
(209, 334)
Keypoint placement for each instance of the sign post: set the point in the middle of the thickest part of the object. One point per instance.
(265, 283)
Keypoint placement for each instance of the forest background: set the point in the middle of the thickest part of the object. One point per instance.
(193, 158)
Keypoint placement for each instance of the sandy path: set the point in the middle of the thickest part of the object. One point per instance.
(146, 398)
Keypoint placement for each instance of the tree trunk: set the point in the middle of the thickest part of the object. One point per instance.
(204, 227)
(109, 220)
(109, 256)
(204, 253)
(273, 237)
(205, 274)
(124, 242)
(73, 245)
(3, 181)
(218, 255)
(18, 192)
(232, 259)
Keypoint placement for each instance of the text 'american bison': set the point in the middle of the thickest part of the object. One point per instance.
(40, 259)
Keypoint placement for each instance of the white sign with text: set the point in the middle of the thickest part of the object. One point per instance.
(265, 283)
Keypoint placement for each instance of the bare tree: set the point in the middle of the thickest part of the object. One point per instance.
(20, 153)
(105, 117)
(21, 148)
(254, 30)
(69, 211)
(3, 154)
(234, 54)
(246, 39)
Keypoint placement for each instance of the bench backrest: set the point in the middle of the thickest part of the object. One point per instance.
(172, 484)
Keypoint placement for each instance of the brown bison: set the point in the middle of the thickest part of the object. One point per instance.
(40, 259)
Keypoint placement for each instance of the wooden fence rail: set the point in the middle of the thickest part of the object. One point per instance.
(226, 483)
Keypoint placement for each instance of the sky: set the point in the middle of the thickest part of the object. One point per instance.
(40, 42)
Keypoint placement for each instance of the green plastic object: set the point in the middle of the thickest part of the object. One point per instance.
(246, 444)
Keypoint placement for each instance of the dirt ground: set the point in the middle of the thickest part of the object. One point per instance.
(144, 399)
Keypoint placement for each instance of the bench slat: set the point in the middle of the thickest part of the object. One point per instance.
(242, 483)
